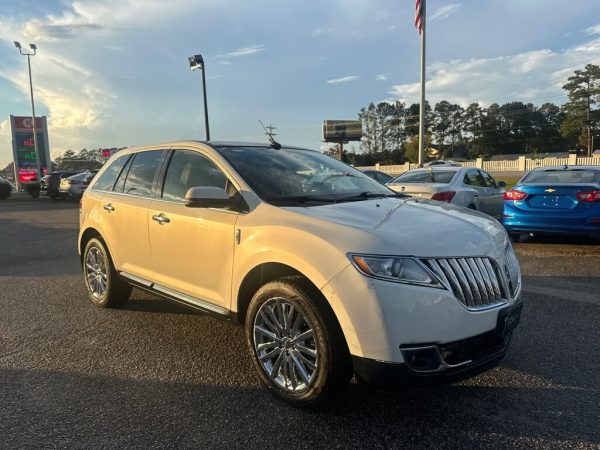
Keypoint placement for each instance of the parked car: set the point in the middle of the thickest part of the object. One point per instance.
(75, 185)
(441, 162)
(50, 184)
(555, 200)
(6, 188)
(468, 187)
(330, 272)
(378, 175)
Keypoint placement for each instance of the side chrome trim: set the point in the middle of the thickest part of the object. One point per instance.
(191, 300)
(137, 279)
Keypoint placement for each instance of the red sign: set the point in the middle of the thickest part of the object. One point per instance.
(27, 175)
(25, 123)
(106, 153)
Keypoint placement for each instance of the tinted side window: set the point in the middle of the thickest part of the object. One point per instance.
(189, 169)
(120, 184)
(473, 178)
(108, 178)
(487, 178)
(140, 177)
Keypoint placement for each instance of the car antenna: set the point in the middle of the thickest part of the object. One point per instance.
(276, 145)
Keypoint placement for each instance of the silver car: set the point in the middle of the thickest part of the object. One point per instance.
(469, 187)
(74, 186)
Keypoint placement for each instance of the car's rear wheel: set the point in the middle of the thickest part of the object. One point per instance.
(296, 345)
(103, 285)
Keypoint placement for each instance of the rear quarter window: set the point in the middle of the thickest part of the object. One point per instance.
(109, 176)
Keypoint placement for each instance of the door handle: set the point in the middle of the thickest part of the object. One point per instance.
(161, 219)
(109, 207)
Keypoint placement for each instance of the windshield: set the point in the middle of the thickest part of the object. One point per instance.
(425, 176)
(562, 176)
(293, 175)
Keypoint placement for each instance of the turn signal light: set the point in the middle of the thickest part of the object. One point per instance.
(446, 196)
(589, 196)
(513, 194)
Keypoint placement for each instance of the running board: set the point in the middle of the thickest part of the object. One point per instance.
(175, 295)
(189, 299)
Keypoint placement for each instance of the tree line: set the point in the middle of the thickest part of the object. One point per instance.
(391, 130)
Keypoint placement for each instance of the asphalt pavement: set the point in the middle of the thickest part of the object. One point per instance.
(156, 375)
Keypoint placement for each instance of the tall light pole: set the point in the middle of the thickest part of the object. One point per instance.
(196, 62)
(35, 142)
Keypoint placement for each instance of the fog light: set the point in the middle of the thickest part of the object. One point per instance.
(425, 359)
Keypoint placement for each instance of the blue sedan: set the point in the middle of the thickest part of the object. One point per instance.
(554, 200)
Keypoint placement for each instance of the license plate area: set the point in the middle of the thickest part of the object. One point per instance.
(508, 319)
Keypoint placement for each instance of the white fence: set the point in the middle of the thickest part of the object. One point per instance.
(522, 164)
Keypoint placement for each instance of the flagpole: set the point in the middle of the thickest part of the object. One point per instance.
(422, 101)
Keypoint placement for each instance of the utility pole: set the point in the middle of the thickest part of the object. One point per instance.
(269, 133)
(421, 14)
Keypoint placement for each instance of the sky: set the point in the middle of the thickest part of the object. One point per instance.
(114, 73)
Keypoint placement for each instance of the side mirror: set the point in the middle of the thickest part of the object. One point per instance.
(212, 197)
(501, 184)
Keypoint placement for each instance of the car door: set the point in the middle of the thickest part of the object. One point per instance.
(192, 248)
(476, 189)
(124, 212)
(494, 198)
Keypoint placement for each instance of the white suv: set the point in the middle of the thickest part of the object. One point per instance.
(331, 273)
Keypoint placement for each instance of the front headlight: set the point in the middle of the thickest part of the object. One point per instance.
(399, 269)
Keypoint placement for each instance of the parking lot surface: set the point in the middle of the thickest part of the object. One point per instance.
(155, 375)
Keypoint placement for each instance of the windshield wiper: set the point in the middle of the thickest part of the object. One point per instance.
(369, 195)
(303, 199)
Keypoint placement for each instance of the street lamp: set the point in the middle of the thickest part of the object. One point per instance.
(196, 62)
(35, 142)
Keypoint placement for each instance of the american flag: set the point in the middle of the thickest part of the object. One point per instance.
(419, 15)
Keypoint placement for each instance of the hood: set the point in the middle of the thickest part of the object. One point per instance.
(412, 227)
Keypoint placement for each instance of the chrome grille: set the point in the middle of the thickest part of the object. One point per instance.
(476, 282)
(513, 270)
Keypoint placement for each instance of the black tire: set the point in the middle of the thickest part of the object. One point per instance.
(333, 364)
(515, 237)
(471, 206)
(97, 264)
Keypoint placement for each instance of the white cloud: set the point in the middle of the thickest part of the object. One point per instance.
(225, 63)
(343, 79)
(381, 77)
(444, 12)
(77, 103)
(244, 51)
(592, 30)
(535, 76)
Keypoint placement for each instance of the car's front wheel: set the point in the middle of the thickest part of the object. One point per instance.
(103, 285)
(297, 346)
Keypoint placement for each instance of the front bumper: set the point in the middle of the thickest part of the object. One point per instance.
(433, 364)
(380, 319)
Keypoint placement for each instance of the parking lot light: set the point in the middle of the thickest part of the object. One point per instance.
(197, 62)
(33, 47)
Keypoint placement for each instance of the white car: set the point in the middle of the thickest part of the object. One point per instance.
(469, 187)
(75, 185)
(331, 273)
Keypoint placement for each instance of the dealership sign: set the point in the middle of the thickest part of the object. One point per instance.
(342, 130)
(24, 147)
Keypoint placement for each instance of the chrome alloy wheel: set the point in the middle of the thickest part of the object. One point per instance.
(96, 274)
(284, 341)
